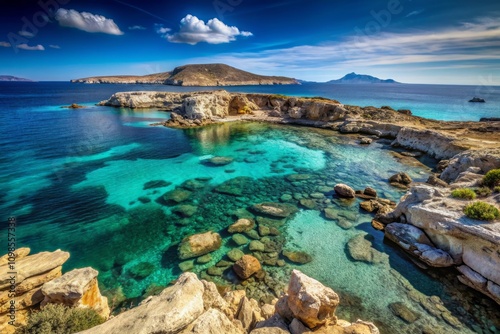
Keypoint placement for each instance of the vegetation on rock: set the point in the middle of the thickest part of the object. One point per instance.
(482, 211)
(492, 178)
(483, 191)
(463, 193)
(60, 319)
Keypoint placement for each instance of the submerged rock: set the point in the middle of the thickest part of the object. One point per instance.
(142, 270)
(218, 161)
(178, 195)
(400, 180)
(242, 225)
(361, 249)
(297, 256)
(199, 244)
(185, 210)
(279, 210)
(156, 184)
(235, 254)
(246, 266)
(239, 239)
(404, 312)
(343, 190)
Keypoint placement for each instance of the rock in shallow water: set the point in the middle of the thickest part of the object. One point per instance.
(404, 312)
(361, 249)
(199, 244)
(343, 190)
(279, 210)
(246, 266)
(242, 225)
(297, 256)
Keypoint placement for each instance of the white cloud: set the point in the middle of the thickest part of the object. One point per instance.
(54, 46)
(193, 30)
(25, 46)
(5, 44)
(136, 28)
(87, 22)
(161, 30)
(25, 33)
(471, 43)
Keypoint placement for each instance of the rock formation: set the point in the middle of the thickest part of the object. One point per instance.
(199, 244)
(442, 140)
(434, 228)
(194, 306)
(195, 75)
(39, 281)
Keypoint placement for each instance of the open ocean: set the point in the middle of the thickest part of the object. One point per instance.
(74, 179)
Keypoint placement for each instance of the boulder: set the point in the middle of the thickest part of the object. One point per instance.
(310, 301)
(370, 192)
(256, 246)
(416, 242)
(170, 312)
(404, 312)
(400, 180)
(344, 190)
(365, 141)
(212, 322)
(278, 210)
(273, 325)
(242, 225)
(246, 266)
(199, 244)
(485, 159)
(219, 161)
(77, 288)
(235, 254)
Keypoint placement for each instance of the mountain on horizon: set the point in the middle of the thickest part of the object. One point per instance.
(13, 78)
(361, 78)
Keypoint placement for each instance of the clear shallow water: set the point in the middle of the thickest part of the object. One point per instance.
(74, 179)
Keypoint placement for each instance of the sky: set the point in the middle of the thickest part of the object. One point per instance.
(411, 41)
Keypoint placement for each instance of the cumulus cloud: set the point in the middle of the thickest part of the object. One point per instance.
(25, 46)
(5, 44)
(54, 46)
(136, 28)
(193, 30)
(25, 33)
(87, 22)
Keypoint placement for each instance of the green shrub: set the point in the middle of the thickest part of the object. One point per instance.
(483, 191)
(497, 189)
(492, 178)
(463, 193)
(481, 211)
(60, 319)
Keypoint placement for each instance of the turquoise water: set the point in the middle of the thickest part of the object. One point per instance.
(75, 181)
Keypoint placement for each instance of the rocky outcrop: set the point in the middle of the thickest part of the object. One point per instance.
(77, 288)
(434, 143)
(343, 190)
(39, 282)
(436, 230)
(195, 75)
(485, 160)
(199, 244)
(194, 306)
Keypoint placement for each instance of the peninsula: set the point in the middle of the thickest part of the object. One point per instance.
(195, 75)
(11, 78)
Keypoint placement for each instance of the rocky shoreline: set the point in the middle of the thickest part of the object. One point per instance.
(467, 151)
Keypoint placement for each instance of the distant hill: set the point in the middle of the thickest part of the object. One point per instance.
(13, 78)
(196, 75)
(354, 78)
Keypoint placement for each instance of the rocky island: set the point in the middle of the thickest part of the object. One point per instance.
(354, 78)
(195, 75)
(11, 78)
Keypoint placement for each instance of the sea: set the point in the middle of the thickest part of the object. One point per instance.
(91, 182)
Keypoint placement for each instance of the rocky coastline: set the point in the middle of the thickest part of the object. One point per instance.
(427, 222)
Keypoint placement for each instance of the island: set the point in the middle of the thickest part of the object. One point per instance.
(12, 78)
(195, 75)
(353, 78)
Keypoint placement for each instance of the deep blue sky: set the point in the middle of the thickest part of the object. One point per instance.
(414, 41)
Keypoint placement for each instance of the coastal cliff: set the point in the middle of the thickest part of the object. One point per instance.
(195, 75)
